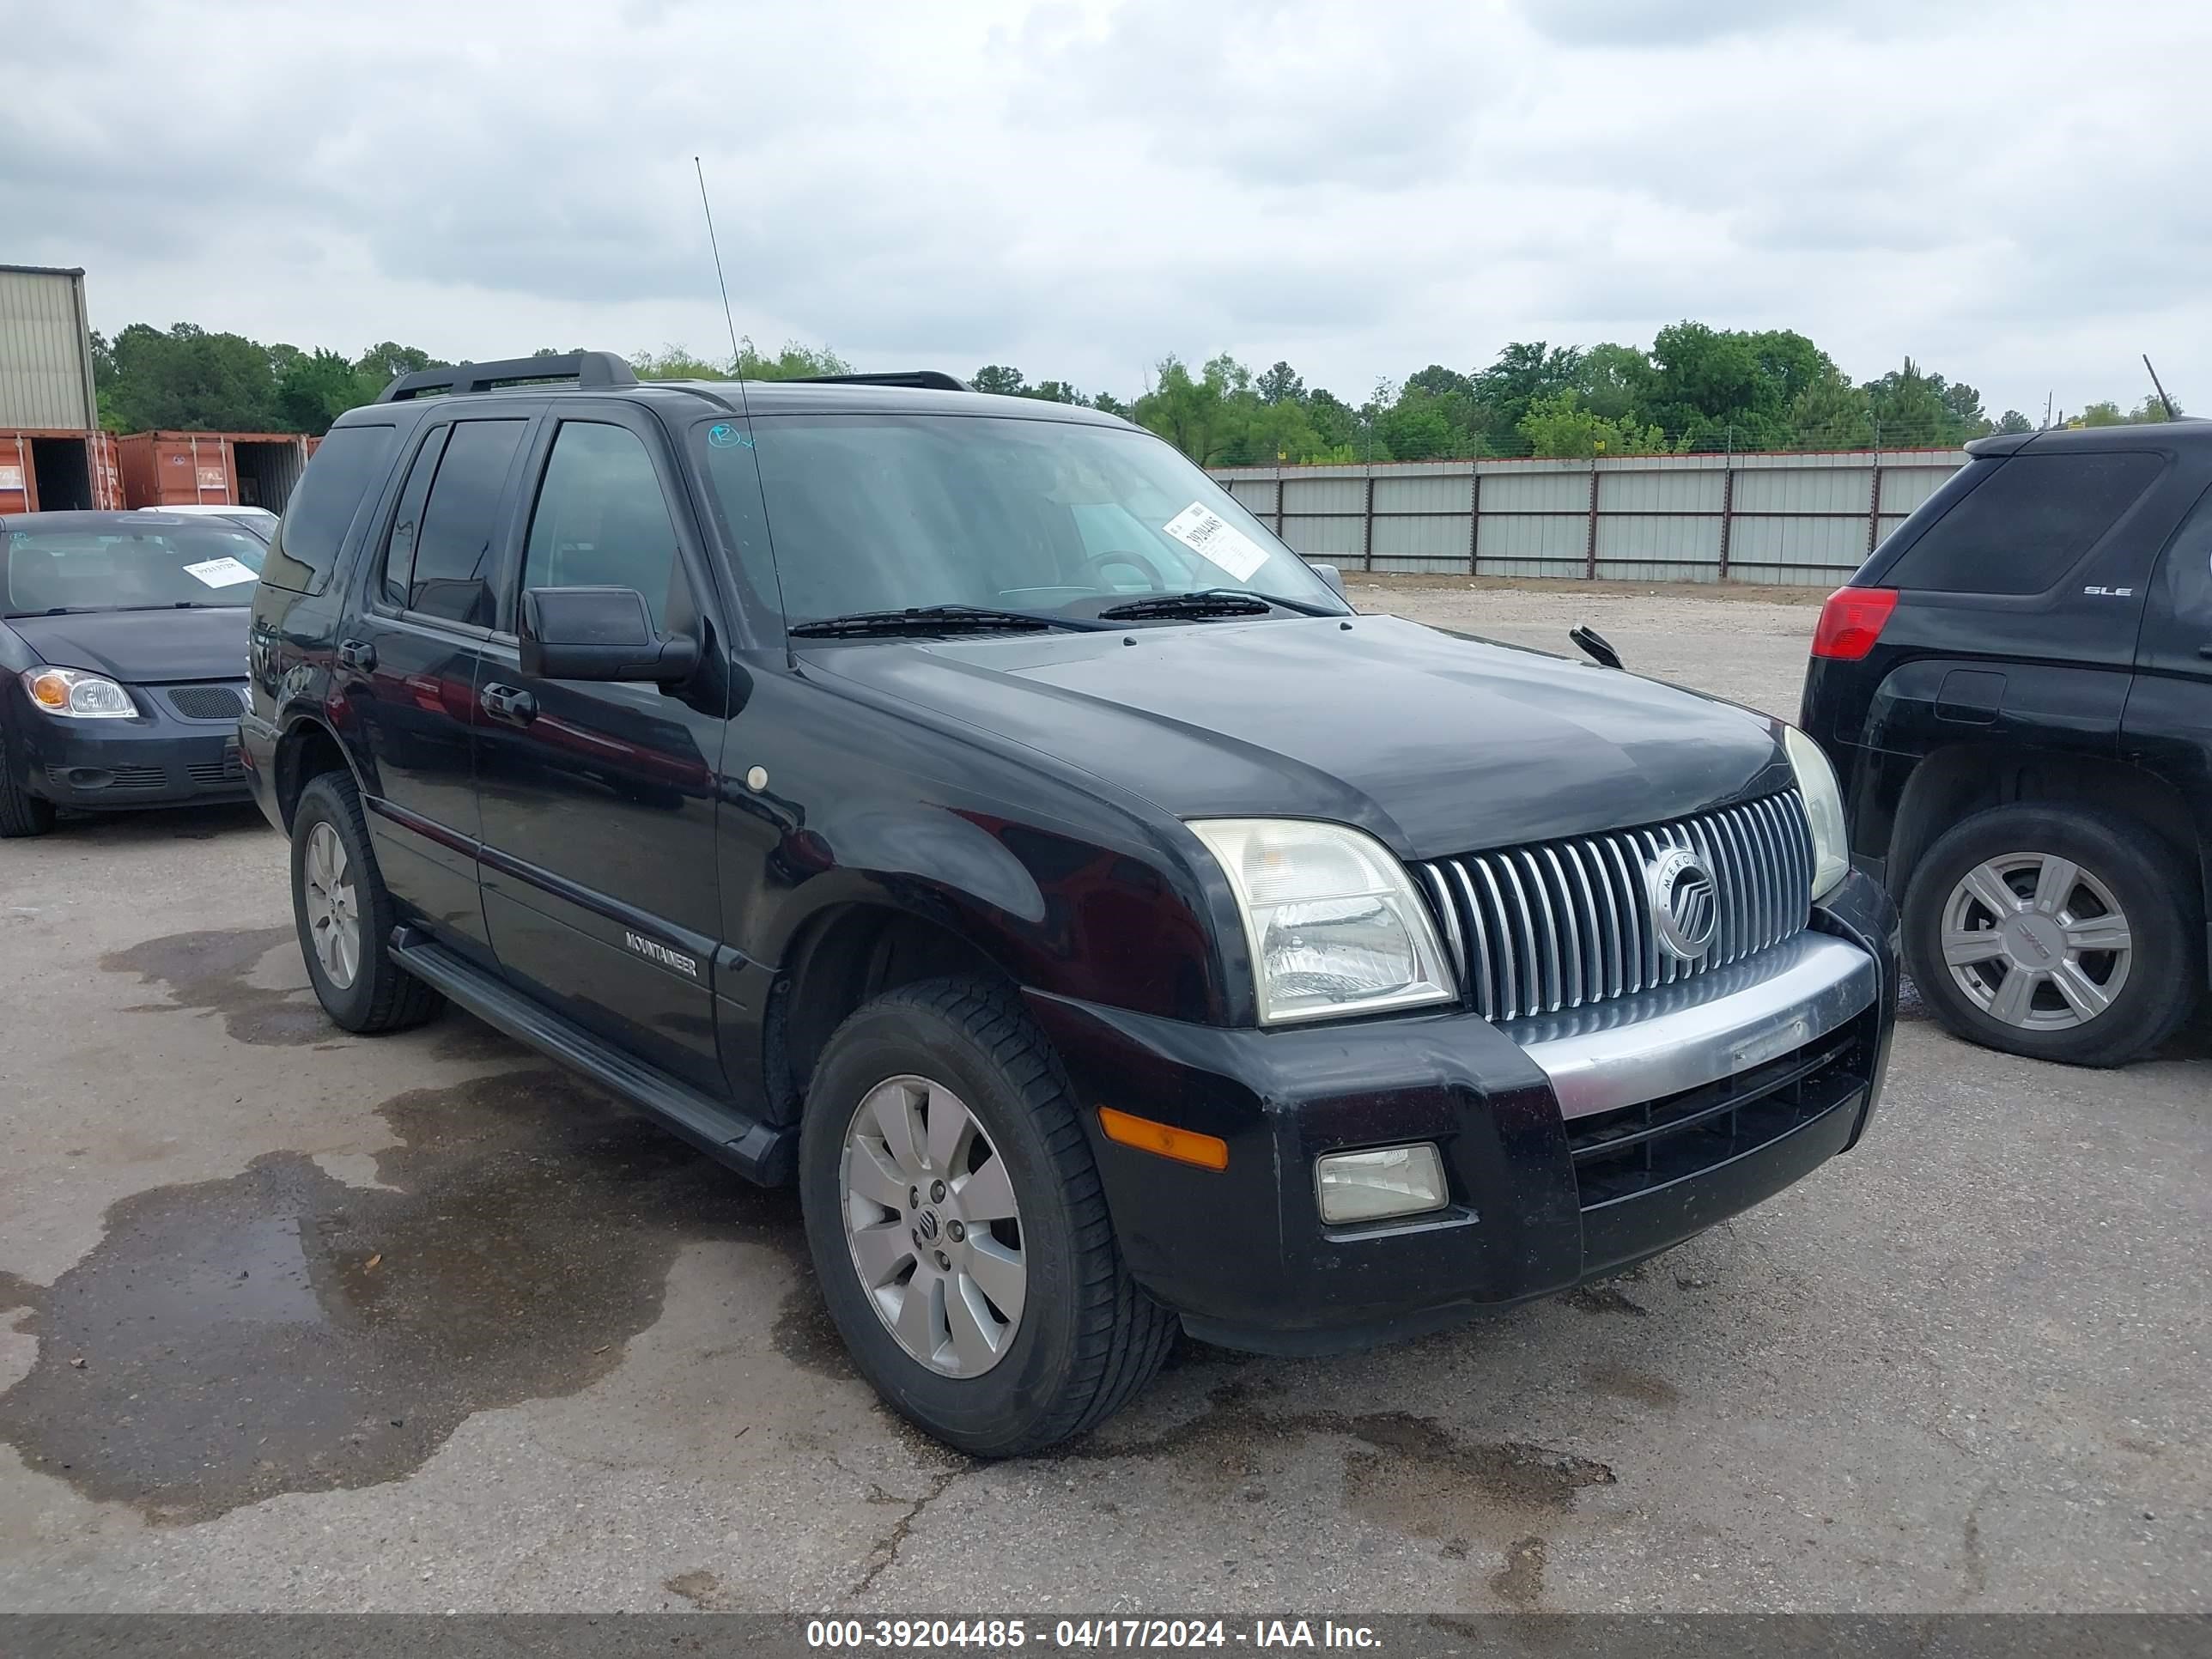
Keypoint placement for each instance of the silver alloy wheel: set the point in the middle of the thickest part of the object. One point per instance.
(2036, 941)
(932, 1222)
(333, 914)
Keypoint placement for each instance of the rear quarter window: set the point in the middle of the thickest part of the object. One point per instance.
(347, 466)
(2031, 520)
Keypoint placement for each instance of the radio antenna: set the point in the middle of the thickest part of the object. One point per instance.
(2161, 390)
(737, 352)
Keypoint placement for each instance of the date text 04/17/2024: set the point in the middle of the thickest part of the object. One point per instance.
(1010, 1634)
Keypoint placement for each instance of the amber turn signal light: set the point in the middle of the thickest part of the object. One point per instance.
(1184, 1146)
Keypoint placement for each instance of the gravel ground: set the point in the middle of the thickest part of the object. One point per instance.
(1739, 641)
(303, 1320)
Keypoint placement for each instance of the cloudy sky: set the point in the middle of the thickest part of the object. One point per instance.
(2017, 196)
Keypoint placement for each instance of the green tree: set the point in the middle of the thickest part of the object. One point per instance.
(1281, 384)
(1184, 409)
(675, 363)
(1418, 426)
(2013, 421)
(1557, 424)
(1056, 391)
(187, 378)
(1964, 404)
(1335, 424)
(997, 377)
(1524, 371)
(2106, 413)
(1909, 411)
(319, 387)
(1614, 381)
(387, 360)
(1429, 395)
(1831, 414)
(795, 362)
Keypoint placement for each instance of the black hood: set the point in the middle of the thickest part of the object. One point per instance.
(142, 646)
(1437, 743)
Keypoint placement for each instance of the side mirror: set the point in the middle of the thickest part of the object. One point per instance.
(1334, 578)
(599, 634)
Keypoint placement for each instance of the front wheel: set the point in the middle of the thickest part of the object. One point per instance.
(959, 1228)
(2059, 932)
(21, 812)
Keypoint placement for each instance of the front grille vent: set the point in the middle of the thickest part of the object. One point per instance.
(1564, 924)
(207, 703)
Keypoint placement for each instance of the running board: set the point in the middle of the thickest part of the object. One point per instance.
(757, 1150)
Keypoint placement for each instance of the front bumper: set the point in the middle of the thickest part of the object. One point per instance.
(1594, 1141)
(156, 759)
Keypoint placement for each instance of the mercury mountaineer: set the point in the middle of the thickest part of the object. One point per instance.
(962, 807)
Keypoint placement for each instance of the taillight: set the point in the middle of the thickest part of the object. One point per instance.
(1851, 621)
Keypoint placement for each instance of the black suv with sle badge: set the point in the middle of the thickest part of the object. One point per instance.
(961, 807)
(2016, 689)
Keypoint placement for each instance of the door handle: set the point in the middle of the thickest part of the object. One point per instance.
(508, 702)
(357, 654)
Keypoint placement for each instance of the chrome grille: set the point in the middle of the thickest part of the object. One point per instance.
(1565, 923)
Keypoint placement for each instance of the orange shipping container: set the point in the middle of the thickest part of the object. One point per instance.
(51, 472)
(211, 468)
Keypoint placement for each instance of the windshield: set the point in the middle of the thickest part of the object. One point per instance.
(117, 567)
(873, 512)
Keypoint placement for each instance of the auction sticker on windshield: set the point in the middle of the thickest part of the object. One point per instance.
(220, 573)
(1213, 537)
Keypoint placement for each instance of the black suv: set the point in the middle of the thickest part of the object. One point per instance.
(961, 806)
(2016, 689)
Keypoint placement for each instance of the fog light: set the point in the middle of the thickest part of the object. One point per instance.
(1387, 1181)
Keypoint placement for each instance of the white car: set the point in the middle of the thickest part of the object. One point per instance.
(259, 519)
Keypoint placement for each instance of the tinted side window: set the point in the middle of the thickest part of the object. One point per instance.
(2186, 578)
(601, 520)
(399, 546)
(347, 465)
(452, 575)
(2030, 522)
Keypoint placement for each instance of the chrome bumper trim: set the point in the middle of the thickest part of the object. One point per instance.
(1697, 1030)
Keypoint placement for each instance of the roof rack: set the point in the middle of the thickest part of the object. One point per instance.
(586, 368)
(929, 380)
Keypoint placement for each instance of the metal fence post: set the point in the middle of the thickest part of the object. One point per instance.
(1728, 511)
(1873, 505)
(1367, 542)
(1278, 503)
(1590, 547)
(1474, 515)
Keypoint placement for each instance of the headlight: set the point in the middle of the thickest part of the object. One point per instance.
(73, 692)
(1332, 920)
(1824, 809)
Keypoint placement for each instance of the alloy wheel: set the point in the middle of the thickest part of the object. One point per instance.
(333, 911)
(932, 1226)
(2036, 941)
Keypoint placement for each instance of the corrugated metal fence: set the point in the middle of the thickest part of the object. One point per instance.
(1782, 518)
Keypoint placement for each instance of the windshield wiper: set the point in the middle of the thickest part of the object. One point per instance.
(937, 619)
(1209, 602)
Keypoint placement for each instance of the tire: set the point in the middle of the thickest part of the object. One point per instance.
(1086, 1338)
(2135, 999)
(21, 813)
(377, 995)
